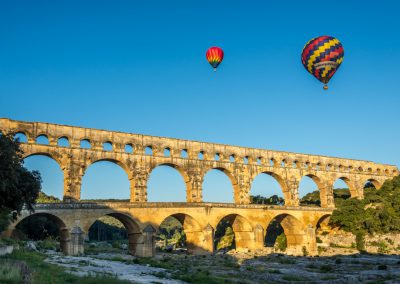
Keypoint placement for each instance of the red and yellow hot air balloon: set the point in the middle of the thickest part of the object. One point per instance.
(322, 56)
(214, 56)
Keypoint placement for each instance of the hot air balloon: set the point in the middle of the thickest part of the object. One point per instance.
(214, 56)
(322, 56)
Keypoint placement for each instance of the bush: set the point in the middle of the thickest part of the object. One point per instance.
(281, 242)
(326, 268)
(360, 242)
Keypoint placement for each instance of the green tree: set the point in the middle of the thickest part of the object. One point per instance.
(378, 212)
(18, 186)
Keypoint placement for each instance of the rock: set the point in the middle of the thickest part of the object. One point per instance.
(31, 246)
(124, 246)
(6, 250)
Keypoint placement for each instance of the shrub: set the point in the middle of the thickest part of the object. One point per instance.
(9, 273)
(326, 268)
(281, 242)
(305, 251)
(360, 242)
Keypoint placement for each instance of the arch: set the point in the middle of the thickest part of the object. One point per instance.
(148, 150)
(132, 228)
(63, 141)
(178, 185)
(128, 148)
(264, 182)
(292, 228)
(233, 231)
(372, 183)
(323, 223)
(190, 231)
(212, 191)
(85, 144)
(167, 152)
(43, 227)
(343, 188)
(42, 139)
(21, 137)
(50, 171)
(184, 154)
(308, 194)
(107, 146)
(106, 179)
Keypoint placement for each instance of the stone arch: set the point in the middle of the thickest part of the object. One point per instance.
(325, 190)
(192, 230)
(242, 229)
(374, 182)
(55, 157)
(349, 183)
(116, 162)
(323, 222)
(233, 180)
(64, 233)
(21, 136)
(182, 173)
(132, 227)
(292, 227)
(278, 179)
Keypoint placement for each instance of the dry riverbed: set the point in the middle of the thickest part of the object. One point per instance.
(237, 267)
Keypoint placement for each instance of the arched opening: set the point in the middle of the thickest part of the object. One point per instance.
(148, 151)
(42, 139)
(233, 232)
(63, 142)
(200, 156)
(105, 180)
(372, 184)
(166, 183)
(167, 152)
(341, 190)
(322, 230)
(21, 137)
(52, 177)
(284, 231)
(107, 146)
(218, 186)
(266, 189)
(309, 193)
(178, 233)
(85, 144)
(129, 148)
(115, 232)
(48, 230)
(184, 154)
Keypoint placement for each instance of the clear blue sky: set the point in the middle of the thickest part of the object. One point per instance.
(139, 66)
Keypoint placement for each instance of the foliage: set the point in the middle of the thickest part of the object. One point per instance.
(378, 212)
(38, 227)
(18, 186)
(313, 198)
(274, 230)
(227, 240)
(272, 200)
(107, 228)
(171, 231)
(9, 273)
(44, 198)
(46, 273)
(281, 242)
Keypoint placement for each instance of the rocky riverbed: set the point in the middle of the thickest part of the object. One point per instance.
(237, 267)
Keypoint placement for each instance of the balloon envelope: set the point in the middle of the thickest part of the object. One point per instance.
(214, 56)
(322, 56)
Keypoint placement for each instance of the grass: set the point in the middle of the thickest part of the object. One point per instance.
(46, 273)
(9, 274)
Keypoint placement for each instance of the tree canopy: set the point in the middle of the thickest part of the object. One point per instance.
(378, 212)
(19, 187)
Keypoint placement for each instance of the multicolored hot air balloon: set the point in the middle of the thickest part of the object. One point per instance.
(214, 56)
(322, 57)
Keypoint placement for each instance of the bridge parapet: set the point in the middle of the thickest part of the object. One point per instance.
(139, 154)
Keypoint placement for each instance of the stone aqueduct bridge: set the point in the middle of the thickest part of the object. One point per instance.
(138, 155)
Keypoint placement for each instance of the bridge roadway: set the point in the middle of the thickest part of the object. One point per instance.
(199, 220)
